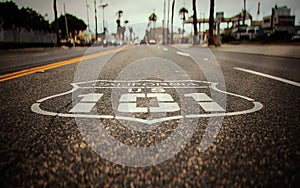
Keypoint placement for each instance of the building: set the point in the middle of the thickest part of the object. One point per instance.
(280, 23)
(158, 33)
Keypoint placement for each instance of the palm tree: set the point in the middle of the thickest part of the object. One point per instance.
(120, 30)
(195, 22)
(172, 20)
(182, 12)
(118, 21)
(153, 19)
(120, 13)
(211, 23)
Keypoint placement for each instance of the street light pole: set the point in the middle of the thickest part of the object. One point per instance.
(96, 29)
(87, 14)
(66, 23)
(56, 23)
(164, 20)
(244, 12)
(168, 21)
(103, 6)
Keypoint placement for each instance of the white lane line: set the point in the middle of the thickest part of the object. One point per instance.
(269, 76)
(183, 54)
(165, 49)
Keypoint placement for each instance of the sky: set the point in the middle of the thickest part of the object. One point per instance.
(138, 11)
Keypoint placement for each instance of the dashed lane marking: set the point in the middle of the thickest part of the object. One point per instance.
(269, 76)
(183, 54)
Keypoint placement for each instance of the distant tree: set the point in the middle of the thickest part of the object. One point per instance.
(120, 30)
(15, 18)
(183, 11)
(120, 13)
(30, 19)
(211, 23)
(74, 24)
(152, 19)
(9, 12)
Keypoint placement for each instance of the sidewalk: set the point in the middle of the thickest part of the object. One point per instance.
(292, 51)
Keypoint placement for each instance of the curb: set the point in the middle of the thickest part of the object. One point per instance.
(254, 53)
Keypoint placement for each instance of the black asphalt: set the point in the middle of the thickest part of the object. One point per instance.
(259, 149)
(13, 60)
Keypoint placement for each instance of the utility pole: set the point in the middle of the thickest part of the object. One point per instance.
(56, 23)
(244, 12)
(96, 29)
(66, 23)
(87, 14)
(168, 21)
(164, 36)
(103, 6)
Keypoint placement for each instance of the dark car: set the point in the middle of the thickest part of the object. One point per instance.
(143, 42)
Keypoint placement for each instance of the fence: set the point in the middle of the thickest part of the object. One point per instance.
(19, 36)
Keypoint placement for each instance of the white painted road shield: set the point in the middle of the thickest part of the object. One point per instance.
(127, 103)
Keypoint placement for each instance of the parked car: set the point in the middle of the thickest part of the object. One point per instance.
(152, 41)
(296, 36)
(143, 42)
(120, 42)
(109, 40)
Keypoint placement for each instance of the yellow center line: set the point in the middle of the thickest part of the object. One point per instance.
(25, 72)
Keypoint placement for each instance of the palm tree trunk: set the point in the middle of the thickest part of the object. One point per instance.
(168, 21)
(195, 38)
(172, 20)
(56, 23)
(96, 22)
(244, 12)
(211, 23)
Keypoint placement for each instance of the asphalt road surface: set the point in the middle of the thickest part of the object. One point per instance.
(149, 116)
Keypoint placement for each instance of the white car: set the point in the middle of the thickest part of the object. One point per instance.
(296, 37)
(152, 41)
